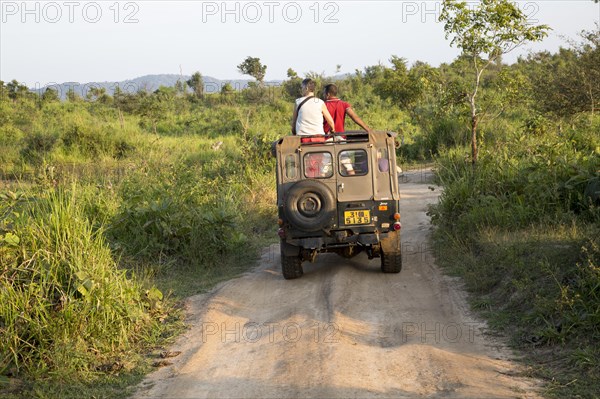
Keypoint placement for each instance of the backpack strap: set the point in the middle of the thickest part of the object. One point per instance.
(297, 111)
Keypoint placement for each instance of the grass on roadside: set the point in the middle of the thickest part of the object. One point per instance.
(522, 230)
(539, 287)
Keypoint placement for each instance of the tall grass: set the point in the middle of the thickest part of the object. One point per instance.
(522, 229)
(176, 211)
(174, 205)
(522, 179)
(65, 306)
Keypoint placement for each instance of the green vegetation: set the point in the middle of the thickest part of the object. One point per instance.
(522, 228)
(116, 205)
(484, 33)
(110, 211)
(253, 67)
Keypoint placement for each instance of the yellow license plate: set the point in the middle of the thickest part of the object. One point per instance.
(357, 217)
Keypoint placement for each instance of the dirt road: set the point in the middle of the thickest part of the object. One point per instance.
(342, 330)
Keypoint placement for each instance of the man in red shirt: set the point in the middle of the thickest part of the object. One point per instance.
(338, 110)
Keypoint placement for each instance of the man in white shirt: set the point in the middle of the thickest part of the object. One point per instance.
(309, 112)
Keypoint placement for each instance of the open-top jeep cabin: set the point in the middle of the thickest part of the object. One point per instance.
(338, 193)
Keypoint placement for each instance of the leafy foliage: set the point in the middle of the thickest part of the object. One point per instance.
(65, 305)
(196, 84)
(253, 67)
(566, 83)
(484, 33)
(397, 85)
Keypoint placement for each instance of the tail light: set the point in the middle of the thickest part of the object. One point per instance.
(281, 233)
(397, 226)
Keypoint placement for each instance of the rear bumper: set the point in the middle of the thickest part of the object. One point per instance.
(338, 239)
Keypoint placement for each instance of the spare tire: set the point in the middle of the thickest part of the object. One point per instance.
(309, 206)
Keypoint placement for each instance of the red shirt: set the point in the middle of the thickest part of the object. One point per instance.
(337, 108)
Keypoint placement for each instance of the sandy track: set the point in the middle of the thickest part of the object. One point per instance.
(342, 330)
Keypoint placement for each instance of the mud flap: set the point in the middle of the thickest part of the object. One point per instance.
(289, 249)
(391, 244)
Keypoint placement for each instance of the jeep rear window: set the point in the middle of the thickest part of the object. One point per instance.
(383, 163)
(291, 171)
(353, 163)
(318, 165)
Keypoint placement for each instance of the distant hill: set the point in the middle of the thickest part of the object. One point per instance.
(148, 83)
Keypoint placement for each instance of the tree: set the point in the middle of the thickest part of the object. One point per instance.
(588, 66)
(567, 82)
(17, 91)
(484, 33)
(180, 86)
(292, 74)
(127, 102)
(434, 93)
(396, 84)
(196, 83)
(72, 95)
(156, 106)
(98, 94)
(373, 74)
(227, 88)
(292, 87)
(252, 66)
(50, 95)
(226, 92)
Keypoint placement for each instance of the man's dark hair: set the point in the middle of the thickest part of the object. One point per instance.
(331, 89)
(309, 84)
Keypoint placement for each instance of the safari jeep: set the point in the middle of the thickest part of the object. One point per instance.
(338, 193)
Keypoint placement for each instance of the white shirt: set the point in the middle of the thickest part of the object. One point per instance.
(310, 117)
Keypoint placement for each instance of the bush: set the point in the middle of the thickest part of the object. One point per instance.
(179, 214)
(38, 145)
(65, 307)
(524, 180)
(444, 133)
(91, 142)
(521, 228)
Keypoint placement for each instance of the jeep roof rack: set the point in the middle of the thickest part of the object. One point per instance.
(351, 136)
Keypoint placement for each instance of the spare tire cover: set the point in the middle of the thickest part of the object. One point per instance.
(309, 205)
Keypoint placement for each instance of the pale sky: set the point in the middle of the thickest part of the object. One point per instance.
(43, 42)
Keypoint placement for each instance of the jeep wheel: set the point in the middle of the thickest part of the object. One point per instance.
(291, 267)
(309, 205)
(391, 262)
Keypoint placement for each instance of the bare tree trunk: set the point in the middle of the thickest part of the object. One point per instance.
(474, 149)
(474, 122)
(474, 117)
